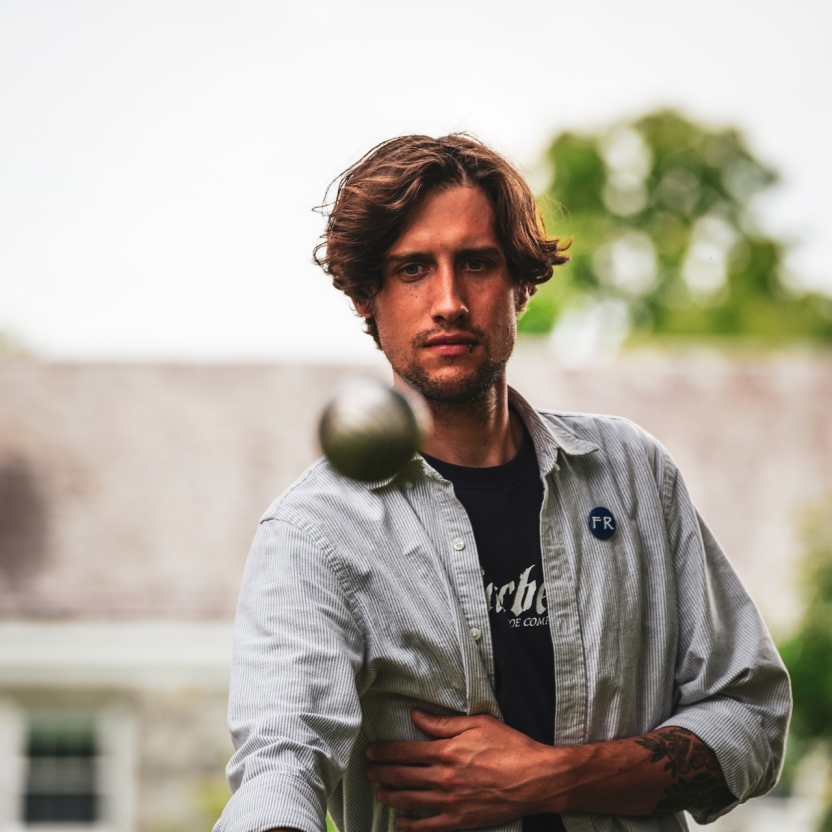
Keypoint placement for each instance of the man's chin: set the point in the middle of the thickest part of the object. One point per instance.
(454, 388)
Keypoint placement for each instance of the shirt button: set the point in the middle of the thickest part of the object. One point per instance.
(476, 634)
(408, 485)
(459, 543)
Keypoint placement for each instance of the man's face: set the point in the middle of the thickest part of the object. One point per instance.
(446, 312)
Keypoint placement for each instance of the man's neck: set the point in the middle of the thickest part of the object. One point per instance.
(480, 434)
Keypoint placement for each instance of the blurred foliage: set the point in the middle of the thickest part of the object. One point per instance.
(210, 795)
(808, 654)
(659, 213)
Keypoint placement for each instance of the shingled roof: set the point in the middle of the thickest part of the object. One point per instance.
(133, 491)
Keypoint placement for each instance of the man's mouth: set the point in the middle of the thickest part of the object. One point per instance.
(450, 344)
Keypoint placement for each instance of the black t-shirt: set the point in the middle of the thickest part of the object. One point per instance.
(503, 504)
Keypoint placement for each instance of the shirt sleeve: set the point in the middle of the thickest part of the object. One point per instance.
(294, 711)
(731, 688)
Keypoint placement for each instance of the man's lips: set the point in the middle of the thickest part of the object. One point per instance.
(451, 344)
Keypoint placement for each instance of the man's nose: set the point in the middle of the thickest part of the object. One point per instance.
(448, 301)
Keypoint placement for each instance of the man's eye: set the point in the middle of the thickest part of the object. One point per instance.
(412, 269)
(475, 264)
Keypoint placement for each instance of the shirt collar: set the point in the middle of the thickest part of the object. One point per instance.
(548, 437)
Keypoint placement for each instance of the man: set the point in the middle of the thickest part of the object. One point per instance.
(529, 627)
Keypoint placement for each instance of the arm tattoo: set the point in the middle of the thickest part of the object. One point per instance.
(697, 782)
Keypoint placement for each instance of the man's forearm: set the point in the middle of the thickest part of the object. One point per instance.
(479, 771)
(664, 771)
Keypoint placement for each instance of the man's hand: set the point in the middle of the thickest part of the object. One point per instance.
(480, 772)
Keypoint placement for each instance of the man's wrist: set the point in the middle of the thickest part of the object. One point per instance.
(664, 771)
(568, 769)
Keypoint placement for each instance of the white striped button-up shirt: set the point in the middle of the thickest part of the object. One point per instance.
(363, 601)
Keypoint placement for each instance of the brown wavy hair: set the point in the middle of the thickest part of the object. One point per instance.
(376, 197)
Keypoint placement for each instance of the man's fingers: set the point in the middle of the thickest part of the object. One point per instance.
(445, 726)
(409, 799)
(425, 753)
(405, 777)
(404, 752)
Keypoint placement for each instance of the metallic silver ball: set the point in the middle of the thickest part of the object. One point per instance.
(369, 431)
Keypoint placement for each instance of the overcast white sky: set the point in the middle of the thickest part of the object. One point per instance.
(159, 160)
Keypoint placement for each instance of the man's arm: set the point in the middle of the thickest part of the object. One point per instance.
(730, 686)
(293, 706)
(480, 772)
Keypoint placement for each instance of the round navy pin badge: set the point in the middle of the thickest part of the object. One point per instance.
(601, 523)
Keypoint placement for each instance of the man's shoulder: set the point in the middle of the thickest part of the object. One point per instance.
(610, 434)
(598, 429)
(621, 448)
(317, 494)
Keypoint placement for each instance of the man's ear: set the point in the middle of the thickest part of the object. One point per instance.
(522, 294)
(364, 306)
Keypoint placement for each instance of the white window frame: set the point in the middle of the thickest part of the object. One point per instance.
(115, 731)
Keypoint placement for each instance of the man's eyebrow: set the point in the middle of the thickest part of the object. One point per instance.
(482, 251)
(407, 255)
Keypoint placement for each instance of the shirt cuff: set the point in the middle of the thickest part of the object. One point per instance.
(274, 802)
(728, 729)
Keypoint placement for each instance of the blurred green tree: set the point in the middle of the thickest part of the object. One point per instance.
(663, 238)
(808, 654)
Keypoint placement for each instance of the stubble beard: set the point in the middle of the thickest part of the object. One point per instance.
(472, 391)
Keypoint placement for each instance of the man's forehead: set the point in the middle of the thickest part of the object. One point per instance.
(491, 251)
(459, 218)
